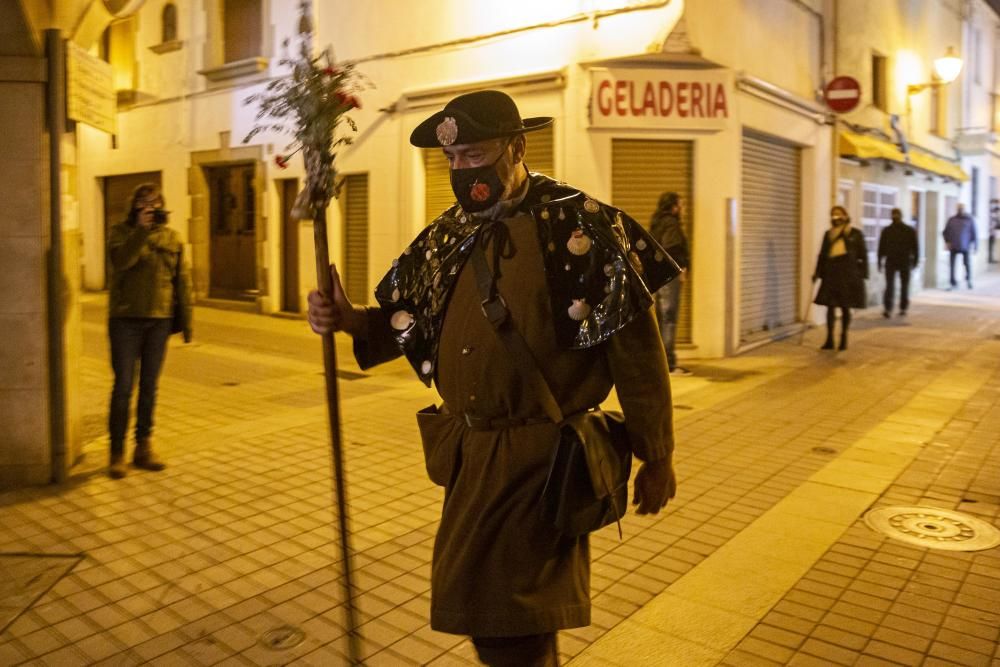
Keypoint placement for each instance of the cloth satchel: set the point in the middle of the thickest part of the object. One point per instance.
(587, 484)
(178, 320)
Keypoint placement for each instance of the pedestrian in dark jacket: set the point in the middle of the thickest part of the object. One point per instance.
(149, 297)
(960, 238)
(572, 277)
(898, 252)
(665, 227)
(842, 265)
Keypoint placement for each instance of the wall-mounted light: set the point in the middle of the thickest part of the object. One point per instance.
(946, 69)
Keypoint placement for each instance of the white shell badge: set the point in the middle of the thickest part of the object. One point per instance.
(591, 206)
(579, 310)
(579, 243)
(401, 320)
(447, 131)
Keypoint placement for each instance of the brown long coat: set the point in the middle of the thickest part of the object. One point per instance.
(499, 569)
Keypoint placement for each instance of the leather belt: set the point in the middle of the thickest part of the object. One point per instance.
(499, 423)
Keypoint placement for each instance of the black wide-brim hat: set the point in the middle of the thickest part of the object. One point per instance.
(474, 117)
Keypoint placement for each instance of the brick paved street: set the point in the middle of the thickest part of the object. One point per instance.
(762, 559)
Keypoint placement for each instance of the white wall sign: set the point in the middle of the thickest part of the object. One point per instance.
(90, 92)
(695, 99)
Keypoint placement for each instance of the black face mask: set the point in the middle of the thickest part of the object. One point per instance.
(478, 188)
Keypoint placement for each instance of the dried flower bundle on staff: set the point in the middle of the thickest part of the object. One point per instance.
(310, 103)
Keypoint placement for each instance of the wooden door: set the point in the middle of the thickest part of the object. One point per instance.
(233, 211)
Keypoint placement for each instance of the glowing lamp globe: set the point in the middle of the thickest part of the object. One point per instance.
(948, 66)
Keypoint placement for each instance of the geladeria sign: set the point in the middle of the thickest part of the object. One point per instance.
(692, 99)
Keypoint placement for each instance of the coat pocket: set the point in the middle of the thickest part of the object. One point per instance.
(441, 436)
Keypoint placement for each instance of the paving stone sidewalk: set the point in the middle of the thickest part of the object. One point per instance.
(230, 555)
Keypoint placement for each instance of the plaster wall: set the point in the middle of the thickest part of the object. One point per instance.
(178, 114)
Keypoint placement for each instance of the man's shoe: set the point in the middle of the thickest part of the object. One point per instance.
(970, 284)
(843, 343)
(680, 370)
(828, 345)
(117, 469)
(145, 458)
(886, 314)
(902, 313)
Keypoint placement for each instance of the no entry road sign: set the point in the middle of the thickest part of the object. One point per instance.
(842, 94)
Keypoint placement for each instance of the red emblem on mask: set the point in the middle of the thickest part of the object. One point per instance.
(480, 192)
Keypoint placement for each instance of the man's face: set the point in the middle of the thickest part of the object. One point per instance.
(505, 153)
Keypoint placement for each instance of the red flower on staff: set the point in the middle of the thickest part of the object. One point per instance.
(281, 161)
(480, 192)
(349, 101)
(331, 71)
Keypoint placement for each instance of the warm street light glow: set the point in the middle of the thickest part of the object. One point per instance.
(946, 70)
(948, 66)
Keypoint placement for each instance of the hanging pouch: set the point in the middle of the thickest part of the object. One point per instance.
(441, 436)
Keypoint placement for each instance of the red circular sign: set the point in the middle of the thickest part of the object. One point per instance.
(842, 94)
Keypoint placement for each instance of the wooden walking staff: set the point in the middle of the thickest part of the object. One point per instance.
(314, 97)
(325, 285)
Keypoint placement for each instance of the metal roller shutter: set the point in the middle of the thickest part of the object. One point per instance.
(355, 216)
(437, 188)
(770, 236)
(642, 170)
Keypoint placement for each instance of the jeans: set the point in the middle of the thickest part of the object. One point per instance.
(668, 302)
(968, 267)
(142, 340)
(890, 287)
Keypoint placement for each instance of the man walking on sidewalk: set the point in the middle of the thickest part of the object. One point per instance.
(572, 277)
(960, 238)
(898, 252)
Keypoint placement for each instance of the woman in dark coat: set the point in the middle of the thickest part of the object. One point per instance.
(842, 265)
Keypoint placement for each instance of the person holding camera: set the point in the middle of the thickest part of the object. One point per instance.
(149, 299)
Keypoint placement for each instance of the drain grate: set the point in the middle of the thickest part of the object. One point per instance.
(283, 638)
(934, 528)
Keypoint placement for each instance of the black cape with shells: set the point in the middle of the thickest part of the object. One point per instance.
(600, 264)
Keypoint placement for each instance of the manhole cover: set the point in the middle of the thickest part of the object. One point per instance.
(283, 638)
(934, 528)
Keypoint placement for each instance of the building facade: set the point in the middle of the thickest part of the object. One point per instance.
(719, 101)
(915, 142)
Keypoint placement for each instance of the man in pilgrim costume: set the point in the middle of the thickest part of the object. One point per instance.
(575, 276)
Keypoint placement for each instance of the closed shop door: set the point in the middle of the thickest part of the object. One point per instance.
(437, 193)
(354, 200)
(641, 171)
(117, 197)
(770, 237)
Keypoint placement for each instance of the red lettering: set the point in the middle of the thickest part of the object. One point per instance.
(666, 98)
(696, 92)
(682, 100)
(649, 100)
(620, 97)
(636, 111)
(604, 97)
(719, 104)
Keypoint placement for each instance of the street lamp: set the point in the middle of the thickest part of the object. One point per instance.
(946, 70)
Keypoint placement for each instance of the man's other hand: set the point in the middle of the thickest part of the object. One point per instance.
(655, 485)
